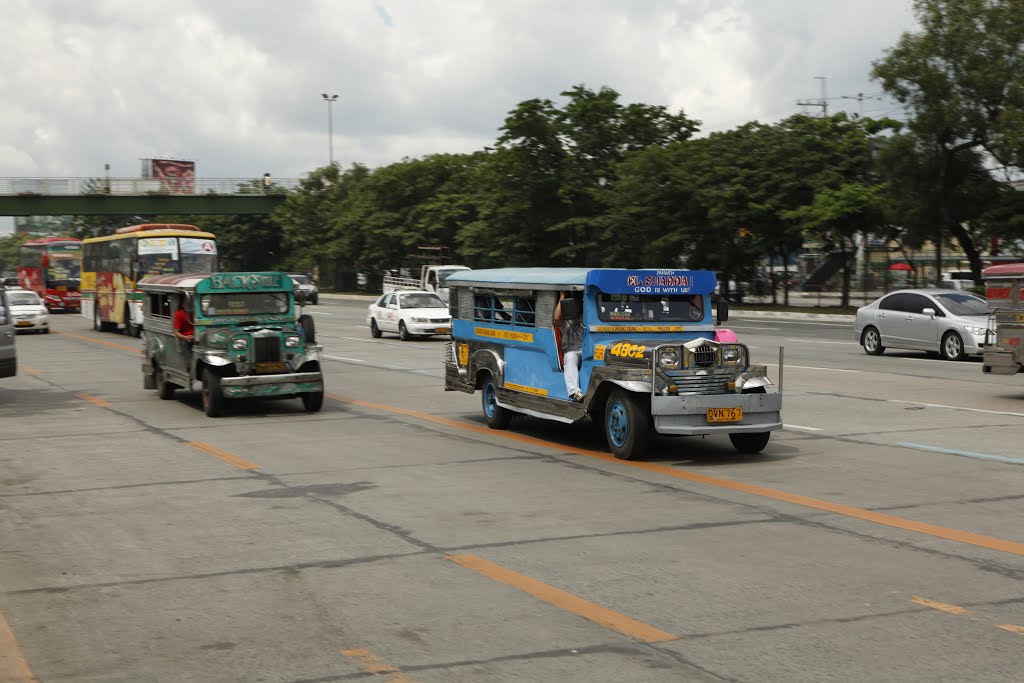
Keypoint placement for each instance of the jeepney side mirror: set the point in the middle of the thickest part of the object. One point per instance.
(300, 297)
(570, 309)
(723, 311)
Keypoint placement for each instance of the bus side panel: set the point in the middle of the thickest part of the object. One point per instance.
(533, 367)
(88, 289)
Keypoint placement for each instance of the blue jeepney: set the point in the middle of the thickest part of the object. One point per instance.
(653, 357)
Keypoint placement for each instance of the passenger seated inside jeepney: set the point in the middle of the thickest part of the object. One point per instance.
(650, 308)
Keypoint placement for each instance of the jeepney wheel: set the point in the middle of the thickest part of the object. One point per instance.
(403, 332)
(308, 327)
(213, 395)
(164, 389)
(496, 416)
(374, 330)
(313, 401)
(750, 443)
(952, 347)
(626, 425)
(871, 340)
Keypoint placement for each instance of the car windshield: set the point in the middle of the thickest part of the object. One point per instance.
(650, 308)
(424, 300)
(962, 304)
(443, 273)
(23, 299)
(248, 303)
(301, 279)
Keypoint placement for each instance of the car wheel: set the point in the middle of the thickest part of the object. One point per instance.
(213, 394)
(374, 330)
(952, 346)
(496, 416)
(164, 389)
(46, 331)
(750, 443)
(626, 425)
(403, 333)
(313, 401)
(315, 300)
(871, 340)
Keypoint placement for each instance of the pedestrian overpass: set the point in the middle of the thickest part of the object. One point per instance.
(141, 196)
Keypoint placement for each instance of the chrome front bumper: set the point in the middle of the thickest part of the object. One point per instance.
(687, 415)
(272, 385)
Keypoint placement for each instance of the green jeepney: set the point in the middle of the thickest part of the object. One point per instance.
(249, 340)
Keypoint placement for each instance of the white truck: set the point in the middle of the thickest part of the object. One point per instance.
(432, 279)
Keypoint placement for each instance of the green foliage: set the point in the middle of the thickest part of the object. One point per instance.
(9, 251)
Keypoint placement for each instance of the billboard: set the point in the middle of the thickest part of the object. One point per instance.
(175, 176)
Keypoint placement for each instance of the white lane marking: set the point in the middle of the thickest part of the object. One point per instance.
(811, 367)
(347, 360)
(970, 410)
(756, 327)
(966, 454)
(820, 341)
(809, 429)
(796, 322)
(321, 313)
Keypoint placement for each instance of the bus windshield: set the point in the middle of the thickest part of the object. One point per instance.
(244, 303)
(65, 269)
(172, 255)
(650, 308)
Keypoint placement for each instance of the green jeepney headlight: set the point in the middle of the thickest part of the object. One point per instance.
(239, 343)
(217, 340)
(292, 341)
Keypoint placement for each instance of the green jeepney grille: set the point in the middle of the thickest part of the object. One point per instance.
(266, 349)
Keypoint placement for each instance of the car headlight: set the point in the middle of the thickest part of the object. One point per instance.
(980, 331)
(292, 340)
(417, 320)
(239, 344)
(731, 354)
(668, 359)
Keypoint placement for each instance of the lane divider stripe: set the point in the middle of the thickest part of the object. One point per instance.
(95, 401)
(965, 454)
(566, 601)
(376, 666)
(115, 345)
(240, 463)
(14, 666)
(934, 530)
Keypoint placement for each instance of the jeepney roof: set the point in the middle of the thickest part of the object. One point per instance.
(183, 281)
(537, 278)
(1003, 270)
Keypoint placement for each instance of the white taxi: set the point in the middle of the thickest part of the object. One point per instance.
(409, 313)
(27, 311)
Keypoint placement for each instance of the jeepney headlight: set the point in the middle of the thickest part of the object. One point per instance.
(979, 331)
(731, 354)
(418, 320)
(668, 359)
(292, 340)
(239, 343)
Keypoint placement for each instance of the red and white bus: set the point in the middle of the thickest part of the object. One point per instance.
(52, 268)
(112, 265)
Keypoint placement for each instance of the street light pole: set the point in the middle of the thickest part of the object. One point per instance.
(330, 99)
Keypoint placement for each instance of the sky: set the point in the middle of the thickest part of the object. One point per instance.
(237, 86)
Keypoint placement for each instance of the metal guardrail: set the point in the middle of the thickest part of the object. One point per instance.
(143, 186)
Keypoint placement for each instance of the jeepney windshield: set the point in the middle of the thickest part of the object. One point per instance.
(650, 307)
(244, 303)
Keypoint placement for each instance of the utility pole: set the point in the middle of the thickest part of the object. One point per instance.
(823, 103)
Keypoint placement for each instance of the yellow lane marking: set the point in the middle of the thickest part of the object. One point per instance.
(1011, 628)
(14, 666)
(376, 666)
(934, 530)
(95, 401)
(566, 601)
(27, 369)
(952, 609)
(240, 463)
(133, 349)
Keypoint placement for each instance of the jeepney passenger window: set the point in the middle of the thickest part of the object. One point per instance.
(526, 311)
(482, 308)
(503, 309)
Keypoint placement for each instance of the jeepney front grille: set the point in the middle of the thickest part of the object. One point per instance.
(711, 381)
(705, 356)
(266, 349)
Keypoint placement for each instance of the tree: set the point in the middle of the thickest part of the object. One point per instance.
(962, 79)
(9, 245)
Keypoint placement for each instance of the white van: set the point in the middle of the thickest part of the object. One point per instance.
(8, 358)
(957, 279)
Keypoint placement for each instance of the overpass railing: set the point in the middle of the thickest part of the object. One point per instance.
(144, 186)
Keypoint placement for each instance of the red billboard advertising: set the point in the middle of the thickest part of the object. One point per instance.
(174, 175)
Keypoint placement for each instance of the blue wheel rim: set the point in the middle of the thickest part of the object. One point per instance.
(490, 403)
(618, 424)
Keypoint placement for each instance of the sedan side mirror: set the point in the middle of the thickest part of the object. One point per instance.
(930, 312)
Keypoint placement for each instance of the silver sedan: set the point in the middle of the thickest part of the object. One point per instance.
(944, 321)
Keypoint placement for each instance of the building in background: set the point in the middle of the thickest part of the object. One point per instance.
(42, 226)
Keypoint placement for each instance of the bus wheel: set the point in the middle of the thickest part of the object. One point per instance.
(626, 423)
(750, 443)
(97, 324)
(130, 328)
(164, 389)
(496, 416)
(213, 395)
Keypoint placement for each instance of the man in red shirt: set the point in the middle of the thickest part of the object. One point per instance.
(184, 328)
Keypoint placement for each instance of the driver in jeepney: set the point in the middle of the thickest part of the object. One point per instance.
(572, 344)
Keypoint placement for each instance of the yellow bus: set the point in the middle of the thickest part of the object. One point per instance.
(112, 265)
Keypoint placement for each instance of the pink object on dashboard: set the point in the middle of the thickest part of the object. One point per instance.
(724, 335)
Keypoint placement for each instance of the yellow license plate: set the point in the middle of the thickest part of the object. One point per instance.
(441, 330)
(23, 323)
(725, 414)
(268, 368)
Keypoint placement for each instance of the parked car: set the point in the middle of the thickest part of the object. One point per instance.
(409, 313)
(306, 286)
(8, 352)
(944, 321)
(27, 311)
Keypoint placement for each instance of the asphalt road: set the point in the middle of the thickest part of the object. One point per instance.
(394, 537)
